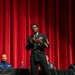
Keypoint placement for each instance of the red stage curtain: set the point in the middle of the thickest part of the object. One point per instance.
(56, 19)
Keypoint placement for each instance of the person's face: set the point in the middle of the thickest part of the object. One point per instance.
(34, 28)
(4, 57)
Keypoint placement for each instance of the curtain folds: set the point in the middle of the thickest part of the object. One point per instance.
(56, 19)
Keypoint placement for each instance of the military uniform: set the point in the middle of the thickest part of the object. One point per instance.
(37, 53)
(4, 65)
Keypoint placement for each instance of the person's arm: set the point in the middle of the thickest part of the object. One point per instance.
(29, 44)
(44, 44)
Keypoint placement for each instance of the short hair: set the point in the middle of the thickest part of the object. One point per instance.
(33, 25)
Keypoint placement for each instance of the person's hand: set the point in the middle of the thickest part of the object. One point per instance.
(33, 39)
(39, 40)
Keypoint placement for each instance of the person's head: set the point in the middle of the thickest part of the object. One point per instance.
(4, 57)
(34, 28)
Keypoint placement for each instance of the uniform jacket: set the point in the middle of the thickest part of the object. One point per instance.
(37, 50)
(5, 65)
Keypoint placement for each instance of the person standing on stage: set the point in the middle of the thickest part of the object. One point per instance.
(37, 42)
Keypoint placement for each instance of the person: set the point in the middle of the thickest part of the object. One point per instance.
(37, 42)
(3, 63)
(50, 66)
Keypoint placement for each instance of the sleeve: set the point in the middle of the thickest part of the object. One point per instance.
(45, 43)
(29, 44)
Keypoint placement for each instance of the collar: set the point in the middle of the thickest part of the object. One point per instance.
(37, 33)
(4, 62)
